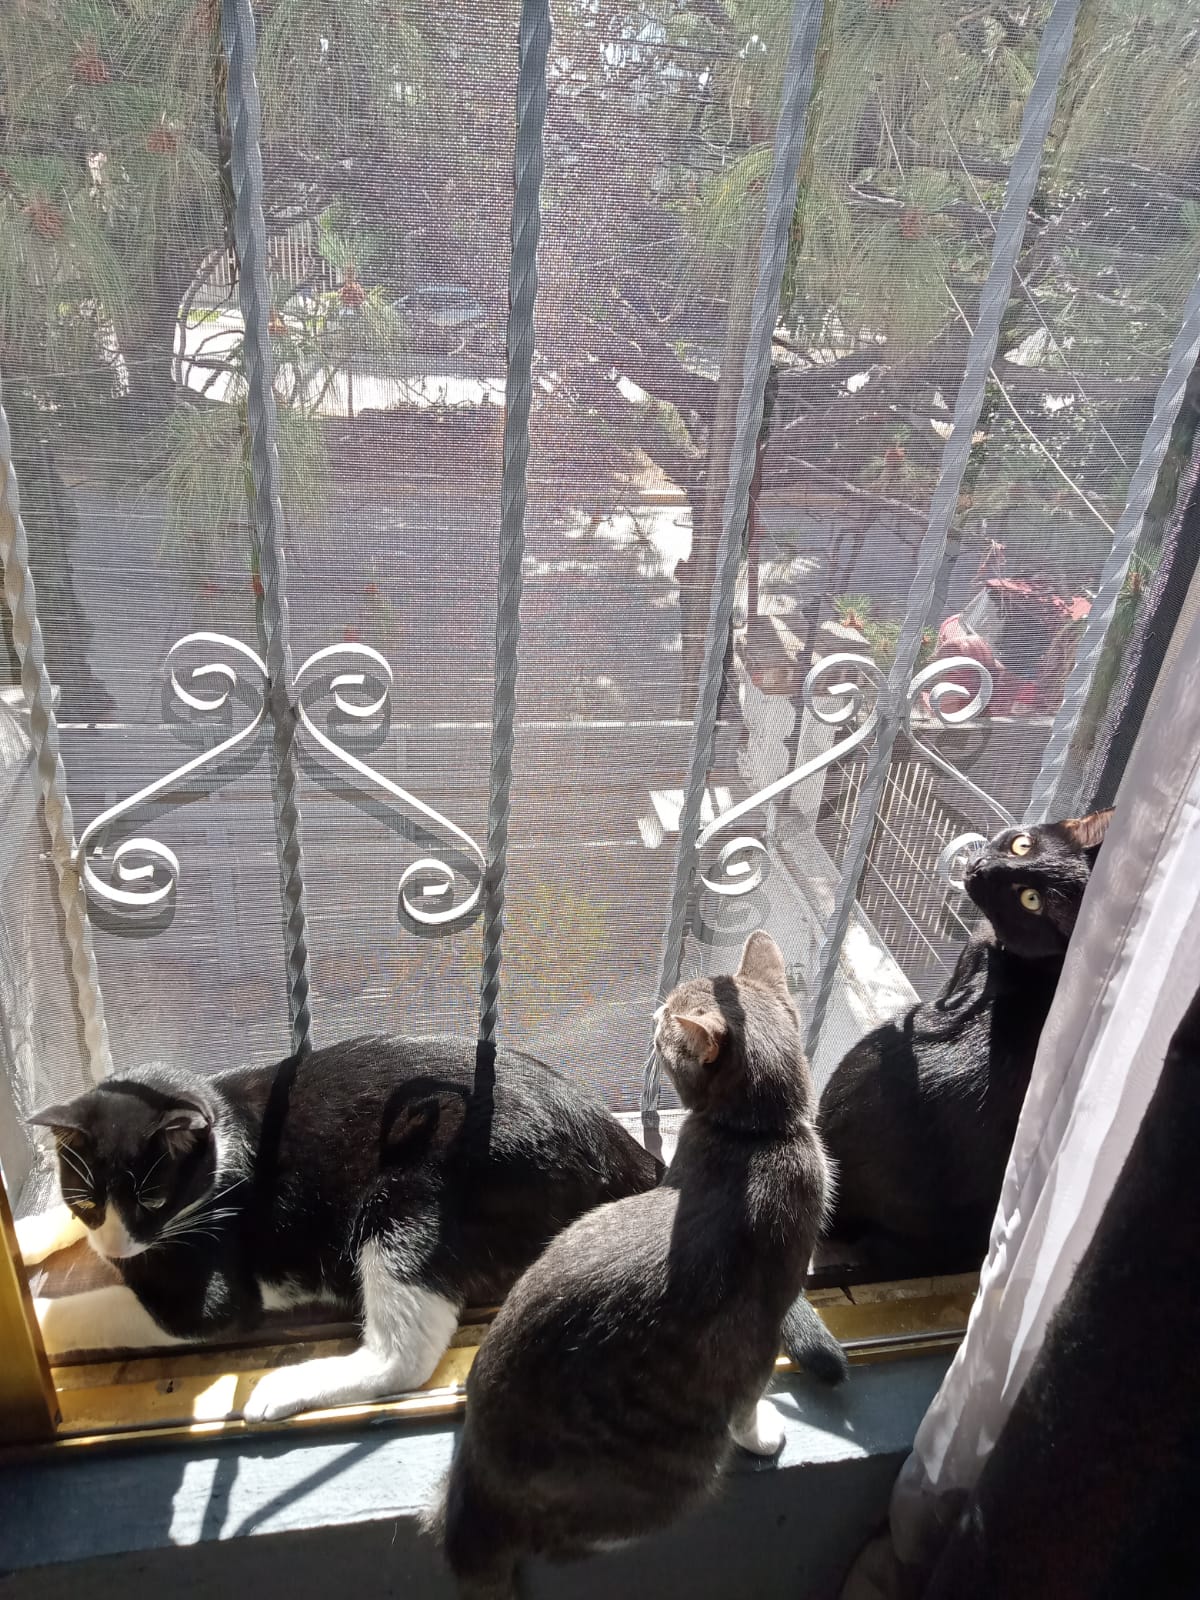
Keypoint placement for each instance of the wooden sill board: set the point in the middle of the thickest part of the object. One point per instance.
(203, 1391)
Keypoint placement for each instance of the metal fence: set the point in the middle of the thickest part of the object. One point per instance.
(889, 819)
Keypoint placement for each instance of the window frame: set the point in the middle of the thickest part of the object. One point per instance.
(49, 1407)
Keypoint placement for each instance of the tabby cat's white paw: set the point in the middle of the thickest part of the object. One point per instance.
(763, 1436)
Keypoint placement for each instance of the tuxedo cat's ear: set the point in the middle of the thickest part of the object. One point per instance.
(69, 1116)
(1087, 833)
(183, 1127)
(431, 1123)
(705, 1031)
(762, 962)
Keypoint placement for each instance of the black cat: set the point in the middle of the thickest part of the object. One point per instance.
(635, 1351)
(377, 1174)
(919, 1116)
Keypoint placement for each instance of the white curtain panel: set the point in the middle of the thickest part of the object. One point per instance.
(1133, 968)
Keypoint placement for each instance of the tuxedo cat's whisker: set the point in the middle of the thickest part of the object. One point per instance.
(77, 1164)
(197, 1224)
(207, 1200)
(152, 1169)
(189, 1225)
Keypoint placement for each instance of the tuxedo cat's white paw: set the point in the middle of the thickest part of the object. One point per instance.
(761, 1432)
(46, 1233)
(281, 1394)
(112, 1318)
(348, 1380)
(42, 1311)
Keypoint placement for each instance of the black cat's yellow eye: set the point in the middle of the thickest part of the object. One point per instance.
(1031, 900)
(1021, 846)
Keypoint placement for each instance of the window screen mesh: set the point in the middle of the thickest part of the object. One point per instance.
(388, 154)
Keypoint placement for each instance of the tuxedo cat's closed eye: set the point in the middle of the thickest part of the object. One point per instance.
(152, 1202)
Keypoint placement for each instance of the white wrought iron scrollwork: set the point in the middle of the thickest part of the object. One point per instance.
(144, 872)
(432, 878)
(835, 693)
(744, 860)
(957, 855)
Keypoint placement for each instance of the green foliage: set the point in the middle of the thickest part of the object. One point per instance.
(392, 123)
(206, 475)
(111, 193)
(901, 262)
(336, 75)
(858, 611)
(60, 277)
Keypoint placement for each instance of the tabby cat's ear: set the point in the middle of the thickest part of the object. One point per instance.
(1087, 833)
(762, 962)
(704, 1031)
(183, 1127)
(69, 1116)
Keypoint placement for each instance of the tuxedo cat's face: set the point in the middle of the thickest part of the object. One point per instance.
(731, 1040)
(135, 1164)
(1029, 882)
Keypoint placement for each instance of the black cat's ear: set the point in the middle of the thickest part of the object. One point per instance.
(704, 1031)
(69, 1116)
(1087, 833)
(183, 1128)
(762, 962)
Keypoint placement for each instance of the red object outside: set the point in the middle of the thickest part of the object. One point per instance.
(1025, 634)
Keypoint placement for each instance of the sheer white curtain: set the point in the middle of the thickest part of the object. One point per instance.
(1133, 968)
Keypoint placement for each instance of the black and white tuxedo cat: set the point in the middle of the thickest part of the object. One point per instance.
(373, 1175)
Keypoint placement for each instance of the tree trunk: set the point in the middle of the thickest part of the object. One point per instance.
(52, 525)
(149, 349)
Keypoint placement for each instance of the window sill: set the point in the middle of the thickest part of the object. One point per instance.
(181, 1396)
(276, 1509)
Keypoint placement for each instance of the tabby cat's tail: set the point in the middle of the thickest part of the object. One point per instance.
(809, 1343)
(474, 1544)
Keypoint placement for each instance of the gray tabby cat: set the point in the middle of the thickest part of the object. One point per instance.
(635, 1351)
